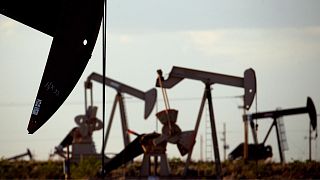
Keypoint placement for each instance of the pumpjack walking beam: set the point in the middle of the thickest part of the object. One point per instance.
(310, 109)
(149, 97)
(28, 153)
(248, 82)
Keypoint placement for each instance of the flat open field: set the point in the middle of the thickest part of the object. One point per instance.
(202, 170)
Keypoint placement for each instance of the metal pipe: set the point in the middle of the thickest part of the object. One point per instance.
(214, 133)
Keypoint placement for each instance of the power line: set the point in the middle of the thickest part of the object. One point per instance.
(7, 141)
(128, 99)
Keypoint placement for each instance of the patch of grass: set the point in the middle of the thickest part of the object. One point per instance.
(88, 168)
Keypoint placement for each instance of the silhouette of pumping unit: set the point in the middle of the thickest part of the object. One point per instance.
(248, 82)
(80, 137)
(28, 153)
(275, 115)
(149, 97)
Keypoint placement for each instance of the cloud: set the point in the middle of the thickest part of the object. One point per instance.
(313, 31)
(183, 15)
(206, 40)
(258, 44)
(125, 39)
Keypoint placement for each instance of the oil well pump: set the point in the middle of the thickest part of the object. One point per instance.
(149, 97)
(155, 142)
(16, 157)
(248, 82)
(278, 124)
(81, 137)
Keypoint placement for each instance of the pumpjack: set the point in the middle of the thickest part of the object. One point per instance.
(155, 142)
(81, 137)
(149, 97)
(153, 145)
(248, 83)
(278, 124)
(28, 153)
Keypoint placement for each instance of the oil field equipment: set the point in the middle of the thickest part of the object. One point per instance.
(149, 97)
(81, 137)
(74, 26)
(279, 125)
(16, 157)
(248, 82)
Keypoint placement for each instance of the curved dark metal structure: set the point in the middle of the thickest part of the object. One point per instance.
(74, 26)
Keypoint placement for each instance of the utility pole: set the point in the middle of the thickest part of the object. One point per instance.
(201, 147)
(310, 140)
(246, 127)
(224, 139)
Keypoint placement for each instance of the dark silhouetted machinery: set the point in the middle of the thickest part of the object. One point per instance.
(74, 26)
(248, 82)
(255, 152)
(80, 137)
(259, 150)
(28, 153)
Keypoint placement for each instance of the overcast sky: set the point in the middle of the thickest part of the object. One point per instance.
(280, 40)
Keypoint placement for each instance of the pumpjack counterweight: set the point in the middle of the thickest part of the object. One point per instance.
(248, 82)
